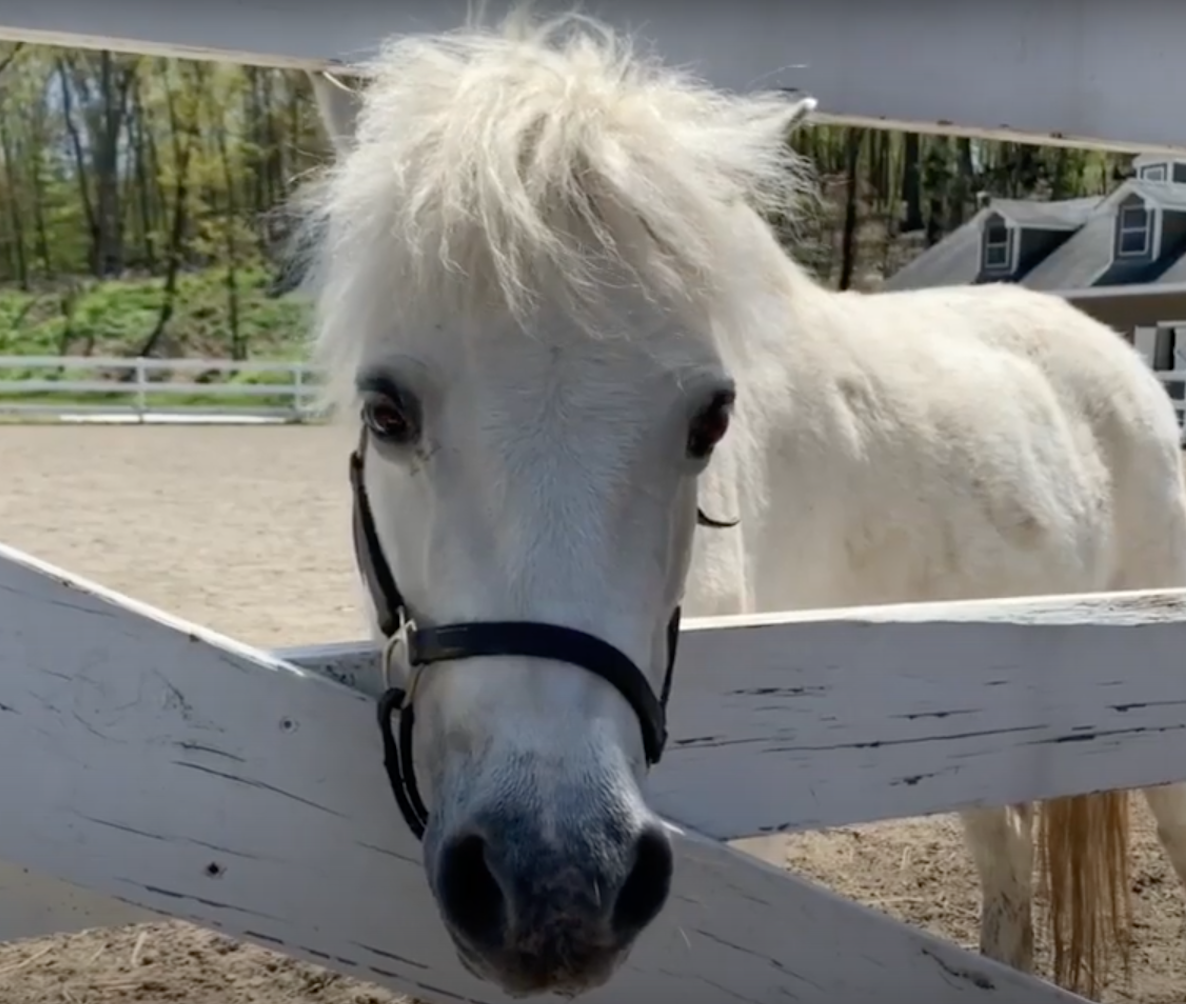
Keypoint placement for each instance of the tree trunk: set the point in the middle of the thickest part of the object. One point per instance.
(912, 182)
(848, 236)
(114, 84)
(238, 344)
(76, 148)
(961, 186)
(20, 255)
(183, 137)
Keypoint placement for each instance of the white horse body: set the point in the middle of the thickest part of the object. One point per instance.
(940, 444)
(945, 444)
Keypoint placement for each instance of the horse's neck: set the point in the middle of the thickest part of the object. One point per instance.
(791, 336)
(782, 316)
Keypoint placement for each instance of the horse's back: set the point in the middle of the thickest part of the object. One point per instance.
(1123, 422)
(1095, 374)
(973, 441)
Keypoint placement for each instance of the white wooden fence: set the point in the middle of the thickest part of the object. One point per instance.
(141, 388)
(1079, 72)
(180, 772)
(164, 768)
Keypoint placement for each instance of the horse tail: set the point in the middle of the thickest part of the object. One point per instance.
(1084, 841)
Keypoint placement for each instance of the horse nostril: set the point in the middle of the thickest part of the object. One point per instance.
(646, 887)
(470, 895)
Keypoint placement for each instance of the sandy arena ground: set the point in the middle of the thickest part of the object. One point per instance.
(245, 529)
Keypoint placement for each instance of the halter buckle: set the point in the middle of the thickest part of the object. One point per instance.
(398, 647)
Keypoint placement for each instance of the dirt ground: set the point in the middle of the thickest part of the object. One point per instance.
(245, 529)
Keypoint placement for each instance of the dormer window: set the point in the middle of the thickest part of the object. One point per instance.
(1160, 168)
(998, 246)
(1134, 228)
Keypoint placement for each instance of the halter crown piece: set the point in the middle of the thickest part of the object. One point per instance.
(418, 647)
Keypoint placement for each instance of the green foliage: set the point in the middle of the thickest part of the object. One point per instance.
(114, 318)
(135, 200)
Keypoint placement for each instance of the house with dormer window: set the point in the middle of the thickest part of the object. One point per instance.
(1120, 257)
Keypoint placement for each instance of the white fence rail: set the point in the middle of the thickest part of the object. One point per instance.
(276, 826)
(142, 387)
(1080, 72)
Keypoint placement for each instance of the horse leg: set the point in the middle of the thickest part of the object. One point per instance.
(1158, 560)
(1001, 844)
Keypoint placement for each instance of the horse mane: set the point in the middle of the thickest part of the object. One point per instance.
(493, 166)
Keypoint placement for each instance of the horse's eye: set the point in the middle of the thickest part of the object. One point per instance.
(710, 425)
(391, 419)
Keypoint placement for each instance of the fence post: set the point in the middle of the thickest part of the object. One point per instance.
(141, 389)
(298, 386)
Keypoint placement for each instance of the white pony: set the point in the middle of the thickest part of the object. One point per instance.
(545, 278)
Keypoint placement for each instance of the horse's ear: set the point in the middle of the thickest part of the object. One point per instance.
(799, 109)
(338, 104)
(777, 115)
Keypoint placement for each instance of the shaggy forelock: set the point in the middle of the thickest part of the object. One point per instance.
(492, 166)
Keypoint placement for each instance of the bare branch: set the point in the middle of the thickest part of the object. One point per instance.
(7, 60)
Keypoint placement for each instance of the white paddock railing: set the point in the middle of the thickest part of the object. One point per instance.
(143, 387)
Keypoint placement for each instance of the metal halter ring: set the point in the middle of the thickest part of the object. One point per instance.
(400, 638)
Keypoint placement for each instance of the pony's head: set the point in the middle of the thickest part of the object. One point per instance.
(540, 268)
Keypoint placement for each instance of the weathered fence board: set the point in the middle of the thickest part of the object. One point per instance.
(915, 716)
(847, 716)
(187, 774)
(1083, 72)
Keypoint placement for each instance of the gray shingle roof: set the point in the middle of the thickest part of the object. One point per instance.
(1175, 273)
(1084, 257)
(1078, 262)
(1066, 214)
(953, 261)
(1166, 194)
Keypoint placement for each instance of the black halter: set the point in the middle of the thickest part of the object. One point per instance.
(423, 646)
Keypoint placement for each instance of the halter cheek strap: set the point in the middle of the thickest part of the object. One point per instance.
(419, 647)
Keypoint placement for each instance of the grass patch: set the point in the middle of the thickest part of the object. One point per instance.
(86, 317)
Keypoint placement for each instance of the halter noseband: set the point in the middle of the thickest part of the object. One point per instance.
(423, 646)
